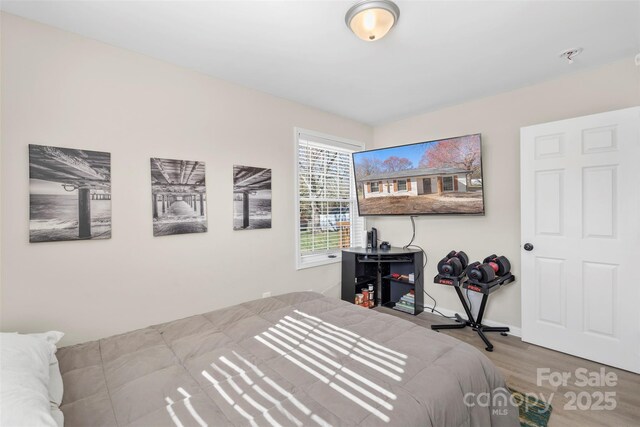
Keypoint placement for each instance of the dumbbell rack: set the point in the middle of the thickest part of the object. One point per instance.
(485, 289)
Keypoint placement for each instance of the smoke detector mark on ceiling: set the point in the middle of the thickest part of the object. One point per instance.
(569, 54)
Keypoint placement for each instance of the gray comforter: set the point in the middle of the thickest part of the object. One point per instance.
(291, 360)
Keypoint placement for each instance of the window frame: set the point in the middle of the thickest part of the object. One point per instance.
(405, 185)
(317, 260)
(377, 183)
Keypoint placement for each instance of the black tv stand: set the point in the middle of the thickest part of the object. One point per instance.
(362, 267)
(474, 323)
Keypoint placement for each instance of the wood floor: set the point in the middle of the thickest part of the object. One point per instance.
(520, 361)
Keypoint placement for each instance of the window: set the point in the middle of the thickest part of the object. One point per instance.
(447, 183)
(375, 187)
(326, 208)
(402, 185)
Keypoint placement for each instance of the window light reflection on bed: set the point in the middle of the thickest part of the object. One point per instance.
(315, 346)
(172, 413)
(293, 338)
(187, 403)
(258, 384)
(190, 408)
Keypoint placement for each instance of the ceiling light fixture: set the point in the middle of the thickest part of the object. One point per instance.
(371, 20)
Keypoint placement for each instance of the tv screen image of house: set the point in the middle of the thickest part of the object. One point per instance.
(426, 178)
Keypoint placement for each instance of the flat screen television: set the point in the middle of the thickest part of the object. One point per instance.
(442, 177)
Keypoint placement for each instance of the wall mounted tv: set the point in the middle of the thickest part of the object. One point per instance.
(442, 177)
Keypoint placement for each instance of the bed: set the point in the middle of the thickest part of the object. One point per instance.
(294, 359)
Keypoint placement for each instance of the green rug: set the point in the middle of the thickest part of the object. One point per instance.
(532, 412)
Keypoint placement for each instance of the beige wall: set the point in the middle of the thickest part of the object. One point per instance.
(65, 90)
(499, 119)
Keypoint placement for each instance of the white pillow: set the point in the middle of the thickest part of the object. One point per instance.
(56, 388)
(24, 369)
(56, 391)
(52, 338)
(58, 416)
(55, 378)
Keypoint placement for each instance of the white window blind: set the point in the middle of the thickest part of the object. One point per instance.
(327, 211)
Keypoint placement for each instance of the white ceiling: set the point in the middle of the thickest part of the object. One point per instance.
(440, 53)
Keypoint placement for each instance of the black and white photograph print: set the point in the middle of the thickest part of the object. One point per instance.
(69, 194)
(251, 198)
(179, 197)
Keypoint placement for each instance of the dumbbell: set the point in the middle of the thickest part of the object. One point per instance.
(453, 264)
(482, 273)
(493, 266)
(499, 264)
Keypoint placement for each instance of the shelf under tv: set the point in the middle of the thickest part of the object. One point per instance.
(393, 305)
(406, 282)
(362, 280)
(383, 258)
(379, 265)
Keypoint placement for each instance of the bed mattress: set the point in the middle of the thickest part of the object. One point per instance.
(290, 360)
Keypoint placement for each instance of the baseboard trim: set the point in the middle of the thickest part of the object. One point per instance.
(513, 330)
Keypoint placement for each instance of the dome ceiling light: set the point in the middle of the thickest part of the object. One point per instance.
(371, 20)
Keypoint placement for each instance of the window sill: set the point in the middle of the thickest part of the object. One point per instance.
(317, 261)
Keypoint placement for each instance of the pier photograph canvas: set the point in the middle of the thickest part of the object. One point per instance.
(179, 196)
(251, 198)
(69, 194)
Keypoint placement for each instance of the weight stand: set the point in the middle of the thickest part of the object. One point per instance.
(475, 324)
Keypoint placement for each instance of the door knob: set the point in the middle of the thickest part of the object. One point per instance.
(528, 247)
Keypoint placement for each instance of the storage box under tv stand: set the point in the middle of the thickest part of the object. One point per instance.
(362, 267)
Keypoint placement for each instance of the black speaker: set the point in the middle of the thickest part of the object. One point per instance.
(372, 238)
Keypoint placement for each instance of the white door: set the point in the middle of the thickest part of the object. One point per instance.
(580, 201)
